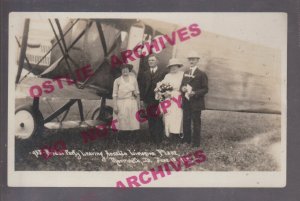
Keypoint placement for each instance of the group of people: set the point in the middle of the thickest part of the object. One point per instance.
(183, 122)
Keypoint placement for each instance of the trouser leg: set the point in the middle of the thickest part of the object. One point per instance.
(187, 125)
(196, 119)
(151, 125)
(159, 129)
(156, 128)
(155, 122)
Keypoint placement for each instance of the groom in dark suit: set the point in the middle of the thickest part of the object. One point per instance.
(193, 87)
(150, 78)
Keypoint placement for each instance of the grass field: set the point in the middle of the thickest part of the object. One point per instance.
(232, 141)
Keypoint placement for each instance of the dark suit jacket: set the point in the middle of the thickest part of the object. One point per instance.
(199, 84)
(148, 84)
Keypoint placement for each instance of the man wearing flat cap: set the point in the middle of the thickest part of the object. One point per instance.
(194, 86)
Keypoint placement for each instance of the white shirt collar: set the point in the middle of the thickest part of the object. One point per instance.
(193, 69)
(154, 69)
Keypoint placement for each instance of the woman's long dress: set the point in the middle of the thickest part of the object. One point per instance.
(173, 118)
(127, 104)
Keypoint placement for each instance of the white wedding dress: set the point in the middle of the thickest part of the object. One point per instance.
(173, 118)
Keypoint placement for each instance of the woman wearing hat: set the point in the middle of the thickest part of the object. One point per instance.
(126, 99)
(173, 116)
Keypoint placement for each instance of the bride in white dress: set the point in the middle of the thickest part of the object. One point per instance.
(173, 118)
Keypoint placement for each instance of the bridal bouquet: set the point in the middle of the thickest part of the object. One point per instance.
(162, 91)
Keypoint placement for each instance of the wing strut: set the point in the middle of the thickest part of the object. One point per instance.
(23, 49)
(106, 52)
(64, 50)
(53, 46)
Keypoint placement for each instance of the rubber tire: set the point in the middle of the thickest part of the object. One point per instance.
(108, 114)
(38, 120)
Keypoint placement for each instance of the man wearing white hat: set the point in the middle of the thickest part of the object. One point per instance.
(194, 86)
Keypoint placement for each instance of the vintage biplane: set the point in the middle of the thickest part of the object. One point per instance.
(242, 76)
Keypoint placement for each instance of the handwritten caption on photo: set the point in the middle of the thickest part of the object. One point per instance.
(120, 157)
(48, 151)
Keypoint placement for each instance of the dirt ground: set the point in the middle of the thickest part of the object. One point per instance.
(231, 141)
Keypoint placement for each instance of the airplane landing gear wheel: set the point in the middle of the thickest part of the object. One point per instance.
(27, 122)
(107, 115)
